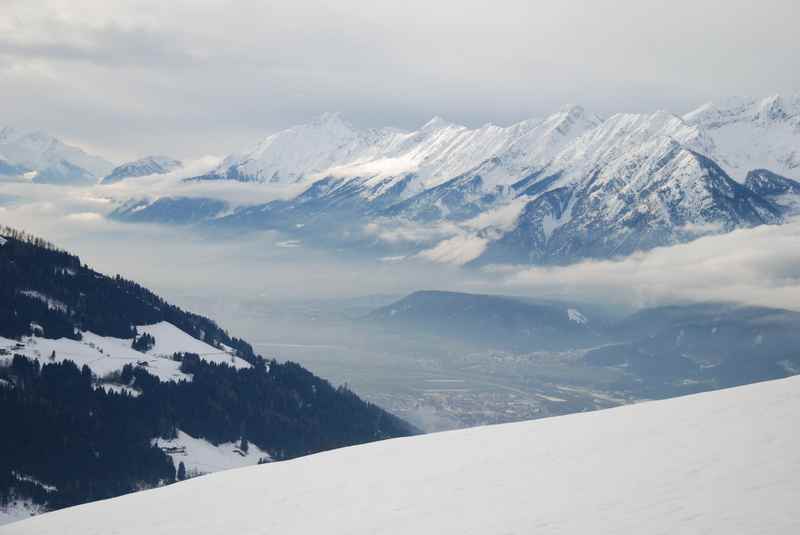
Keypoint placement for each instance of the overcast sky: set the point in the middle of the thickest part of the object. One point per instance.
(127, 78)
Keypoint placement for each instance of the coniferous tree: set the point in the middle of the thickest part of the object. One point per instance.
(181, 471)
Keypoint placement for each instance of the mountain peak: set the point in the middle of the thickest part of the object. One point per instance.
(438, 122)
(47, 158)
(575, 110)
(149, 165)
(772, 109)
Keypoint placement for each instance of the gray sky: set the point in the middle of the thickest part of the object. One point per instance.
(126, 78)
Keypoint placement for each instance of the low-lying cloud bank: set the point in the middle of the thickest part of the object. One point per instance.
(102, 198)
(759, 266)
(755, 266)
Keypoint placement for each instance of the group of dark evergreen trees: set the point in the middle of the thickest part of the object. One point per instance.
(61, 429)
(143, 342)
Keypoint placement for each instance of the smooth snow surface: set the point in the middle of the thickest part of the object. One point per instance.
(724, 462)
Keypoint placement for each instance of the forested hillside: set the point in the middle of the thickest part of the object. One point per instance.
(71, 435)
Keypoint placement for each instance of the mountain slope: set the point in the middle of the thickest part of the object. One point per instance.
(487, 320)
(634, 183)
(149, 165)
(721, 462)
(753, 134)
(42, 158)
(104, 386)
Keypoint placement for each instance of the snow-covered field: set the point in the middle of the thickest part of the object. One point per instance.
(202, 457)
(105, 354)
(721, 462)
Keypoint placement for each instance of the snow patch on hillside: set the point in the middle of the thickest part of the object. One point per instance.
(171, 340)
(52, 304)
(576, 316)
(202, 457)
(30, 479)
(105, 354)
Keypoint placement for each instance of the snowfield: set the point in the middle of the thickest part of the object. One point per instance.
(722, 462)
(202, 457)
(104, 354)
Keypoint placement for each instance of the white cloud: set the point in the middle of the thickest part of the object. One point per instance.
(133, 77)
(757, 266)
(457, 250)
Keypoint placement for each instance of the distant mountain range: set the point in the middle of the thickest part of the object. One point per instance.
(38, 157)
(543, 191)
(556, 190)
(41, 158)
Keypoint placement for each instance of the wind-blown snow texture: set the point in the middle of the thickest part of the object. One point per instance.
(719, 462)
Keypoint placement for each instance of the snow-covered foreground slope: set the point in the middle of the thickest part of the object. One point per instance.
(721, 462)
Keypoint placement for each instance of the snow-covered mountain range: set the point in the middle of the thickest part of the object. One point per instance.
(553, 190)
(685, 465)
(42, 158)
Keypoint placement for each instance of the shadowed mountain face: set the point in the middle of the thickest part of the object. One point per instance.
(489, 321)
(658, 352)
(724, 344)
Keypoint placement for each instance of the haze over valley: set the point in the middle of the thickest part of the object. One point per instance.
(430, 267)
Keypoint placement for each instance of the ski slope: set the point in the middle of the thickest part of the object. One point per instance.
(721, 462)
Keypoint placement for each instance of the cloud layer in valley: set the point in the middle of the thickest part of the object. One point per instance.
(756, 266)
(759, 266)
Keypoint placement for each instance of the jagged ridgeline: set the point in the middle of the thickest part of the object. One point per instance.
(89, 388)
